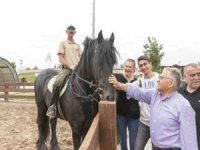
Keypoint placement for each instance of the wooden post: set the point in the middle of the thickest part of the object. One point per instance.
(107, 125)
(6, 94)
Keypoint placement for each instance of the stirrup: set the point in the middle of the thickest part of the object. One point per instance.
(51, 112)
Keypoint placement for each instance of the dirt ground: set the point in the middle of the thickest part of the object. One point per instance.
(18, 128)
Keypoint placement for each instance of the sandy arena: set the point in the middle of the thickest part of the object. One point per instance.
(18, 128)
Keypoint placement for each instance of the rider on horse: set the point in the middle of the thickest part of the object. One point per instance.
(69, 54)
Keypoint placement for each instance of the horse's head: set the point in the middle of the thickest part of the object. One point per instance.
(97, 62)
(103, 63)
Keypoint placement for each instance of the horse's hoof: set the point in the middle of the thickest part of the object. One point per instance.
(42, 147)
(55, 147)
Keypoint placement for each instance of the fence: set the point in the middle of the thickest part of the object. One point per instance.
(102, 134)
(16, 90)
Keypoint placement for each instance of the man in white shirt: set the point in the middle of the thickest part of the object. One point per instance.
(148, 81)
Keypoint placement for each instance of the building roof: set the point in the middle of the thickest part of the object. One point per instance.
(7, 72)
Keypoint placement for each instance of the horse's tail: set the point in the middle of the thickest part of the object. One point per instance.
(40, 96)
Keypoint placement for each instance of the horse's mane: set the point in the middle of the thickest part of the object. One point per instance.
(102, 55)
(105, 58)
(86, 55)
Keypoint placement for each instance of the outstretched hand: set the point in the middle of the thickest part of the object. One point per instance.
(112, 79)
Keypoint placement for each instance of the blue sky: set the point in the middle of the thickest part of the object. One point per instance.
(32, 29)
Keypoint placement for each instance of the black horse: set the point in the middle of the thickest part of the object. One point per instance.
(79, 103)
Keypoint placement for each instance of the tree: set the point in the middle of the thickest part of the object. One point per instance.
(35, 68)
(13, 65)
(153, 51)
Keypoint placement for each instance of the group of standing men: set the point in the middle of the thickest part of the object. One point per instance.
(150, 106)
(169, 114)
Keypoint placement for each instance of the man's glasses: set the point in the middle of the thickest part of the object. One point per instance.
(195, 74)
(144, 64)
(162, 77)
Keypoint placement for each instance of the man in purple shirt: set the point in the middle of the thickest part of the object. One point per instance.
(172, 119)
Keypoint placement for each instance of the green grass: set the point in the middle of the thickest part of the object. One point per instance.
(30, 77)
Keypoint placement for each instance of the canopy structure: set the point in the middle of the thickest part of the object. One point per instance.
(7, 72)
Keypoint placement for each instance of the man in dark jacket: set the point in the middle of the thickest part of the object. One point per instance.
(191, 91)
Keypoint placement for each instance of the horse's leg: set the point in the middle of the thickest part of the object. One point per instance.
(76, 133)
(76, 140)
(43, 127)
(54, 141)
(85, 130)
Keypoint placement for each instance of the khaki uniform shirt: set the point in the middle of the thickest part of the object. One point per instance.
(71, 51)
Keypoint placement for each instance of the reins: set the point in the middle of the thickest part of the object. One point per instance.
(90, 97)
(90, 83)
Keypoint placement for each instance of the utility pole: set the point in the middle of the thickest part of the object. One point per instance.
(93, 19)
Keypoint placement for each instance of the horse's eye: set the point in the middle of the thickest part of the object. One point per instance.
(103, 86)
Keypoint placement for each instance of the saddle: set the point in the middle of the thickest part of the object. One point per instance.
(63, 87)
(62, 90)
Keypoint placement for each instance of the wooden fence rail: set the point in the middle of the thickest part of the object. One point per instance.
(102, 134)
(91, 141)
(16, 90)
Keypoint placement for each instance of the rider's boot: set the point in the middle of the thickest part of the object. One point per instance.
(51, 112)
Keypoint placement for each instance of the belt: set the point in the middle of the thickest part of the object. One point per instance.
(158, 148)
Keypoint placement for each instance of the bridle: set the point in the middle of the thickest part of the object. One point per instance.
(87, 97)
(86, 81)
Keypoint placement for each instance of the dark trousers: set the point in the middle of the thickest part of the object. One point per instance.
(142, 137)
(124, 123)
(57, 85)
(158, 148)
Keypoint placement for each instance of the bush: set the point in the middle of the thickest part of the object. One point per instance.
(30, 77)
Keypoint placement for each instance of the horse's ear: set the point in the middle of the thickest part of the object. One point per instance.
(100, 37)
(112, 38)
